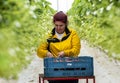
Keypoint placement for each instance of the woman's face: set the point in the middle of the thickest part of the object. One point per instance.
(59, 27)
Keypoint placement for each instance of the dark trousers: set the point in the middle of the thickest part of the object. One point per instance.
(63, 81)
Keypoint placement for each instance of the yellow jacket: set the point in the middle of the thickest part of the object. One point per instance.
(71, 45)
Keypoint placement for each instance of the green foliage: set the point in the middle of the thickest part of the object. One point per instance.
(98, 22)
(22, 24)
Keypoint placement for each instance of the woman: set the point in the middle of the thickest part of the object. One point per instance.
(64, 42)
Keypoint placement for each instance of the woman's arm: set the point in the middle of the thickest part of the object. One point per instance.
(42, 50)
(75, 50)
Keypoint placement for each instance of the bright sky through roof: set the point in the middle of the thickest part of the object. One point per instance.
(61, 5)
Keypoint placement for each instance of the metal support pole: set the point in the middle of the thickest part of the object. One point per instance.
(57, 5)
(86, 80)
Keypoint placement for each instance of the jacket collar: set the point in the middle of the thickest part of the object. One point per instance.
(65, 36)
(67, 31)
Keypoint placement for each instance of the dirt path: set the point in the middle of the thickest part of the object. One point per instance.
(106, 70)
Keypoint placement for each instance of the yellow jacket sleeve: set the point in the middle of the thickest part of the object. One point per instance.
(42, 50)
(75, 50)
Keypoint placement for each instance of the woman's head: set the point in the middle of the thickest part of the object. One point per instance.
(60, 21)
(60, 16)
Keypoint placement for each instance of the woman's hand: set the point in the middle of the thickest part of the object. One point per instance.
(61, 54)
(49, 54)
